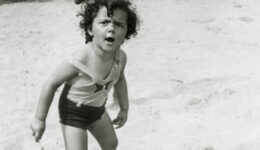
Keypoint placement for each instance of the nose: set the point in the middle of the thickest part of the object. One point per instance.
(111, 28)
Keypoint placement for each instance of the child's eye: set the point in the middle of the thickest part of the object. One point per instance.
(105, 22)
(120, 25)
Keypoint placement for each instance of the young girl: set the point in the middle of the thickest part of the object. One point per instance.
(89, 76)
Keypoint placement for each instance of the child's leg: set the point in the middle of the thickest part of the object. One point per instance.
(104, 132)
(74, 138)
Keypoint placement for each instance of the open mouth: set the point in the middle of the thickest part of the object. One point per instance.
(110, 39)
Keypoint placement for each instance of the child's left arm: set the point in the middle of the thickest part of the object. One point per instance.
(120, 91)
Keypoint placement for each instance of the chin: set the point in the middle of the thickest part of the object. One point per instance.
(110, 49)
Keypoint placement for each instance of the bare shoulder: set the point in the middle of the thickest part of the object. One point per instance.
(81, 55)
(63, 72)
(123, 57)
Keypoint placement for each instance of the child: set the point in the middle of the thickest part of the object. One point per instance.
(88, 77)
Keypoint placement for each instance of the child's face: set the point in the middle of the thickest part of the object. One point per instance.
(109, 32)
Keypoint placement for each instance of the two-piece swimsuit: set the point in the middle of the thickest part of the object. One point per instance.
(83, 98)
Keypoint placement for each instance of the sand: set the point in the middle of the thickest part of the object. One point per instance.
(192, 72)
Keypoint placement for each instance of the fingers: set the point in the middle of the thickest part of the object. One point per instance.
(119, 123)
(116, 120)
(38, 128)
(33, 133)
(38, 136)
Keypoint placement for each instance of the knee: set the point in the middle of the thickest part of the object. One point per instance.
(111, 145)
(115, 143)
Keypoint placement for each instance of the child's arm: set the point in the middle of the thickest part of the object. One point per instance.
(120, 91)
(62, 73)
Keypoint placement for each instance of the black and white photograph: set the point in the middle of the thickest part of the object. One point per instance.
(130, 74)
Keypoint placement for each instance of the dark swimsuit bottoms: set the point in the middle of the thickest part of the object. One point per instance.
(79, 117)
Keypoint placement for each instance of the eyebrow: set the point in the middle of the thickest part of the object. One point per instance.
(122, 20)
(110, 19)
(119, 20)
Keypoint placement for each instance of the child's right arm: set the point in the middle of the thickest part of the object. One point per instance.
(62, 73)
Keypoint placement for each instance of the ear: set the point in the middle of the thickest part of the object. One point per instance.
(90, 31)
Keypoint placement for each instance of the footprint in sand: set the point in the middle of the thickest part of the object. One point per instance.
(237, 5)
(139, 101)
(14, 144)
(209, 148)
(203, 21)
(177, 80)
(215, 30)
(3, 26)
(246, 19)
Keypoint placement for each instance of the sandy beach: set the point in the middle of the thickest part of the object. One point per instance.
(193, 74)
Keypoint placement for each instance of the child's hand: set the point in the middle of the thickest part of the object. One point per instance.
(121, 119)
(38, 127)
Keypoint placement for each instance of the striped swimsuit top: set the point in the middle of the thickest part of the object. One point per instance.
(88, 88)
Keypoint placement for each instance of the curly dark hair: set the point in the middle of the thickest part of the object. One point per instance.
(90, 9)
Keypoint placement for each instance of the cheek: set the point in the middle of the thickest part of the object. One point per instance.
(97, 30)
(122, 38)
(123, 34)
